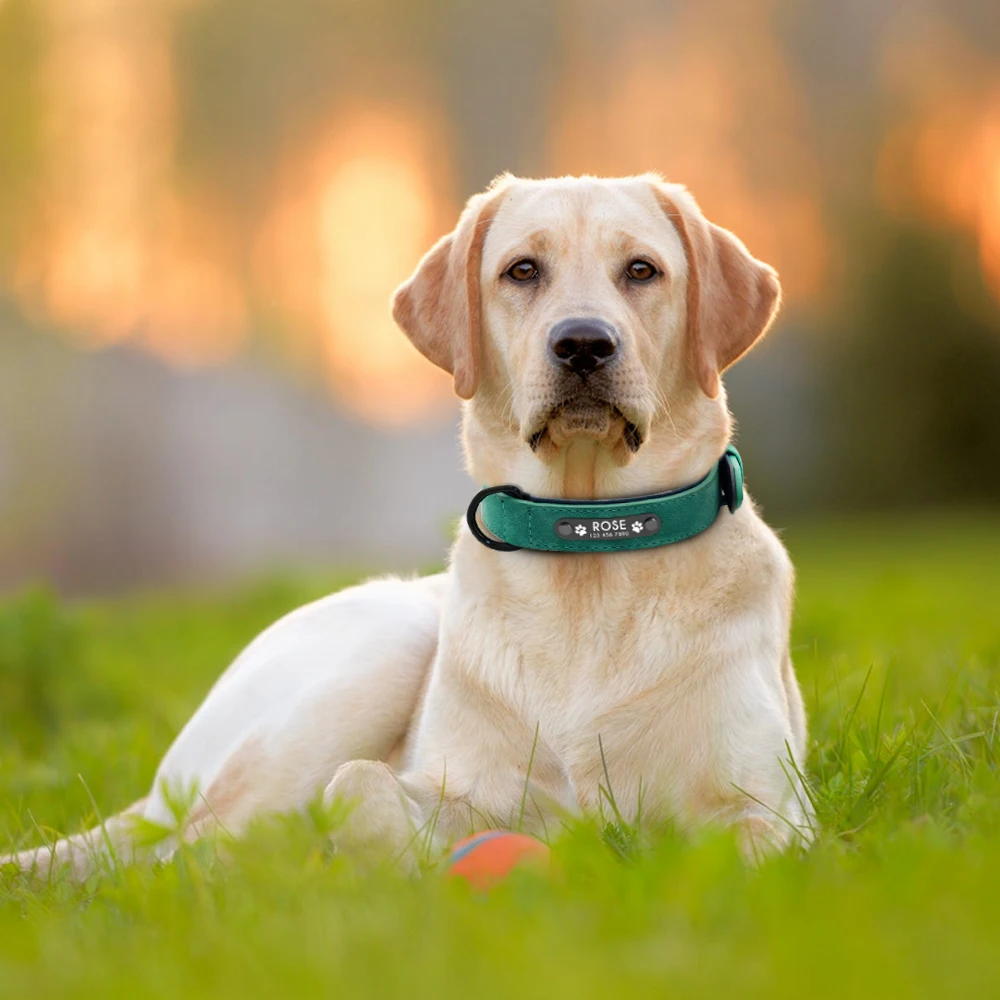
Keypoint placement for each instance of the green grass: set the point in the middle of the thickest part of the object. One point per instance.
(897, 645)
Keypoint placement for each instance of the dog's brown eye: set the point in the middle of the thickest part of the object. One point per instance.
(640, 270)
(523, 270)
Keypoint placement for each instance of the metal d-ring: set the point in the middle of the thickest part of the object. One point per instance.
(727, 482)
(477, 532)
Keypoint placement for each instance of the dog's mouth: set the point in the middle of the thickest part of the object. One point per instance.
(596, 420)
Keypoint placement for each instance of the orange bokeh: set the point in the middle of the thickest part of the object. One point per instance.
(352, 214)
(943, 159)
(119, 253)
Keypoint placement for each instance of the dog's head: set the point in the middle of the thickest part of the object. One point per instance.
(586, 309)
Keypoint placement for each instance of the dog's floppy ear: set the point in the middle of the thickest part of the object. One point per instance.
(731, 296)
(438, 308)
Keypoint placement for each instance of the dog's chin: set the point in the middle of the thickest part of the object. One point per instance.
(603, 423)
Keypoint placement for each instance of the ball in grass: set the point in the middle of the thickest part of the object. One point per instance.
(486, 858)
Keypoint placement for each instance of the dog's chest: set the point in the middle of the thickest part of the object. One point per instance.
(625, 670)
(565, 656)
(607, 691)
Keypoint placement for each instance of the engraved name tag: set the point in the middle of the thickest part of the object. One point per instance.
(594, 529)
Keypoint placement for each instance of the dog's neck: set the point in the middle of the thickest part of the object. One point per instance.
(680, 449)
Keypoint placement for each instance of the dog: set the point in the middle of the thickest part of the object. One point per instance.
(586, 323)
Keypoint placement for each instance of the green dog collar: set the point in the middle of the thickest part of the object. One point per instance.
(521, 521)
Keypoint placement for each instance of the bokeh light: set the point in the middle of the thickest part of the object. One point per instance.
(351, 217)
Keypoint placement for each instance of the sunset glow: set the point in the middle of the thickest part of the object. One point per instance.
(120, 254)
(944, 158)
(353, 217)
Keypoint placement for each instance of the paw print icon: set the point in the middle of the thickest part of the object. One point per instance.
(580, 529)
(637, 527)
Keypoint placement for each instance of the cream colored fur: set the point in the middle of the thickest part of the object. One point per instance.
(512, 688)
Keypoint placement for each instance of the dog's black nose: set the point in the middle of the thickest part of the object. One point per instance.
(582, 345)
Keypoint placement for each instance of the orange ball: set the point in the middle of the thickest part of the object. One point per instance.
(486, 858)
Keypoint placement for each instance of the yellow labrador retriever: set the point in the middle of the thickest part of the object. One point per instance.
(586, 323)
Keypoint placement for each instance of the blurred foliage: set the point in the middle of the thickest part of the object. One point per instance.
(912, 389)
(39, 654)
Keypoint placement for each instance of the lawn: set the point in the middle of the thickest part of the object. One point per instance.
(897, 646)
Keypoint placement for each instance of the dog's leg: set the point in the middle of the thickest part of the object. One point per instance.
(83, 852)
(758, 838)
(384, 822)
(474, 765)
(400, 819)
(771, 815)
(336, 680)
(796, 710)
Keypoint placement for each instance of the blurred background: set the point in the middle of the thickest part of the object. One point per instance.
(205, 204)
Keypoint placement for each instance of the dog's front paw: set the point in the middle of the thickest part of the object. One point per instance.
(380, 827)
(758, 839)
